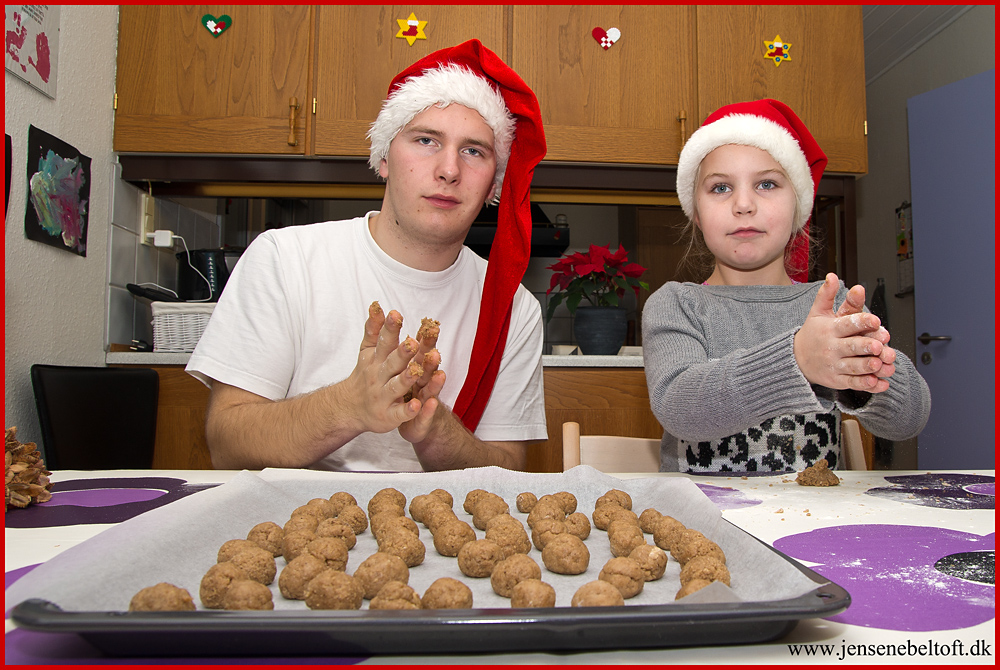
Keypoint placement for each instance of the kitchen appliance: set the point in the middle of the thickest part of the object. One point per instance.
(211, 263)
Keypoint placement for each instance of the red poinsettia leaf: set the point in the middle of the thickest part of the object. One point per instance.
(633, 270)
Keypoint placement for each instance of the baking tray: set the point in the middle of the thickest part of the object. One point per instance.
(368, 633)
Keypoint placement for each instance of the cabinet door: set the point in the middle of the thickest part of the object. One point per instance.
(358, 54)
(182, 89)
(615, 105)
(824, 81)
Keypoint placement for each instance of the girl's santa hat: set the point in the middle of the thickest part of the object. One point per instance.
(772, 126)
(471, 75)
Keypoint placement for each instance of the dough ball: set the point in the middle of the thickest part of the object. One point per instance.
(334, 590)
(623, 516)
(438, 515)
(377, 506)
(387, 496)
(421, 505)
(472, 498)
(257, 563)
(404, 544)
(532, 593)
(294, 543)
(444, 496)
(479, 557)
(301, 521)
(396, 596)
(331, 550)
(510, 571)
(512, 538)
(651, 559)
(267, 535)
(451, 536)
(354, 517)
(692, 543)
(691, 587)
(342, 499)
(648, 519)
(578, 524)
(328, 509)
(625, 538)
(487, 507)
(296, 575)
(667, 531)
(818, 474)
(708, 568)
(602, 514)
(247, 594)
(503, 520)
(566, 555)
(547, 507)
(336, 528)
(525, 502)
(568, 501)
(216, 582)
(616, 497)
(447, 594)
(544, 530)
(232, 547)
(378, 570)
(597, 594)
(625, 575)
(384, 522)
(162, 597)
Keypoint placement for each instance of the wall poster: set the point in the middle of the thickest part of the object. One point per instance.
(33, 44)
(58, 193)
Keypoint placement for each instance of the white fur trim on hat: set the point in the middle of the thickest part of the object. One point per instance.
(754, 131)
(442, 86)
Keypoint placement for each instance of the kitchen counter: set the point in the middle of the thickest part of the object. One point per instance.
(574, 361)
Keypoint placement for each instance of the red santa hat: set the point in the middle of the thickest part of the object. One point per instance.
(471, 75)
(772, 126)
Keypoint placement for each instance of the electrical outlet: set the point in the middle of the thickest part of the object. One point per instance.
(147, 218)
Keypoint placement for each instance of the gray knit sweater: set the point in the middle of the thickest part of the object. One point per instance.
(724, 384)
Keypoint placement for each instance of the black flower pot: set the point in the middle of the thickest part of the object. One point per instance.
(600, 331)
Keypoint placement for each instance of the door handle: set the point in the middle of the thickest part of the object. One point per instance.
(926, 338)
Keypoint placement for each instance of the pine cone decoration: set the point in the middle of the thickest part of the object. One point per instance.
(26, 479)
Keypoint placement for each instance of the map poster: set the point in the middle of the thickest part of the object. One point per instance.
(33, 44)
(58, 193)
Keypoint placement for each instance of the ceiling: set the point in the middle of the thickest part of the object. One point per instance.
(893, 32)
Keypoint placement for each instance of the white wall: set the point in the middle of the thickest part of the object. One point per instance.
(965, 48)
(54, 300)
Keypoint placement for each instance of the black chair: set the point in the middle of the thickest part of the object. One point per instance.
(96, 418)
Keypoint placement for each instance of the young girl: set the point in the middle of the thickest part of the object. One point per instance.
(750, 370)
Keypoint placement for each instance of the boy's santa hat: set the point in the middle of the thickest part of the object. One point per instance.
(471, 75)
(769, 125)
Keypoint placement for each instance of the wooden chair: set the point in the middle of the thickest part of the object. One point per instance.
(609, 453)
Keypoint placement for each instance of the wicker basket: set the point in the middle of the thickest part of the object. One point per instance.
(177, 326)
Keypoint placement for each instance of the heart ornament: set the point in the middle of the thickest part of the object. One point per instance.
(216, 26)
(606, 37)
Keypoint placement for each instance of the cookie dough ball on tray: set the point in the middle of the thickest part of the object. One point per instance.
(450, 537)
(667, 531)
(438, 514)
(386, 498)
(691, 587)
(216, 582)
(597, 594)
(568, 501)
(404, 544)
(578, 524)
(354, 517)
(512, 570)
(479, 557)
(511, 537)
(267, 535)
(692, 543)
(624, 538)
(301, 521)
(525, 502)
(396, 596)
(378, 570)
(533, 593)
(320, 511)
(247, 594)
(545, 530)
(162, 597)
(387, 521)
(230, 548)
(423, 504)
(294, 543)
(487, 507)
(651, 559)
(334, 590)
(471, 498)
(566, 555)
(648, 519)
(447, 594)
(336, 528)
(444, 496)
(296, 576)
(328, 509)
(709, 568)
(625, 575)
(331, 550)
(342, 499)
(547, 507)
(257, 563)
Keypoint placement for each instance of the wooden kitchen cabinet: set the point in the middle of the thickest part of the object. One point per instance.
(616, 105)
(824, 81)
(358, 54)
(181, 89)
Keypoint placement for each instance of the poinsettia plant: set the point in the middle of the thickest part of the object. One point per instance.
(599, 276)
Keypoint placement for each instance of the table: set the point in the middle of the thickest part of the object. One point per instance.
(914, 549)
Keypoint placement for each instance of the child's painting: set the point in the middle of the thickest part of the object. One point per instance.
(33, 44)
(58, 193)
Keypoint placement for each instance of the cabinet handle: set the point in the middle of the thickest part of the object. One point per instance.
(293, 105)
(682, 117)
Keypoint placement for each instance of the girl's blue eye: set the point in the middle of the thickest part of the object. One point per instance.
(424, 140)
(719, 188)
(768, 185)
(474, 151)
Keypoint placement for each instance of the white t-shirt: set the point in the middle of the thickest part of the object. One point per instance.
(291, 320)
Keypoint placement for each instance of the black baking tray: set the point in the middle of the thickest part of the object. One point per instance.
(370, 633)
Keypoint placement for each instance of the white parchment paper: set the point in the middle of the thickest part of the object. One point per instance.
(177, 543)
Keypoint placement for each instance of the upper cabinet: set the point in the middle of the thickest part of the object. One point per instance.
(183, 88)
(309, 80)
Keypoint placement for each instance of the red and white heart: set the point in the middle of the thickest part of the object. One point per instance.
(606, 37)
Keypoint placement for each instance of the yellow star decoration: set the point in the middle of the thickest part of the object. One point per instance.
(411, 29)
(777, 50)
